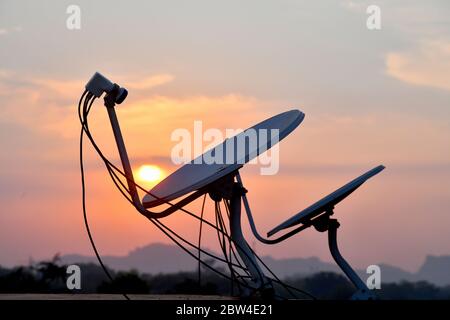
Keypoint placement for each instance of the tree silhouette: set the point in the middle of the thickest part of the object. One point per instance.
(125, 282)
(52, 274)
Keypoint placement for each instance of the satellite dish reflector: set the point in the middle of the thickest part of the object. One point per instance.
(326, 203)
(232, 153)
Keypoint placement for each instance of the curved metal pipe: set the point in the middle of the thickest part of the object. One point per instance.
(130, 179)
(253, 226)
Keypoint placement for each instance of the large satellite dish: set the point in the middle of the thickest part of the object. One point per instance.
(198, 174)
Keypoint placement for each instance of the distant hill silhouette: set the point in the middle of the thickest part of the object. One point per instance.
(162, 258)
(436, 269)
(153, 259)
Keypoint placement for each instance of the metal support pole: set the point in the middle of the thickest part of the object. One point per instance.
(363, 292)
(236, 234)
(253, 226)
(124, 157)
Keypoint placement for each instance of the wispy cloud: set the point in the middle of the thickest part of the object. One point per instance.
(7, 31)
(422, 50)
(50, 102)
(51, 110)
(150, 82)
(427, 65)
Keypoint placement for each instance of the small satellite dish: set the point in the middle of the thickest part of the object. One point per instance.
(198, 174)
(327, 203)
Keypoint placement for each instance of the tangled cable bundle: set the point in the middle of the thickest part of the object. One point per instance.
(238, 273)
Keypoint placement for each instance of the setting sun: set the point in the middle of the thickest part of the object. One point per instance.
(150, 173)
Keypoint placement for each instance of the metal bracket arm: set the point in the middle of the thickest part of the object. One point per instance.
(129, 173)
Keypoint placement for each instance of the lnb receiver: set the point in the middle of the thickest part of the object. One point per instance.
(99, 84)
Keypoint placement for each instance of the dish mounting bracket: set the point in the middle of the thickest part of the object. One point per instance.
(227, 189)
(324, 223)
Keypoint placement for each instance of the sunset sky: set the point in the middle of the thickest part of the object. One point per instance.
(370, 98)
